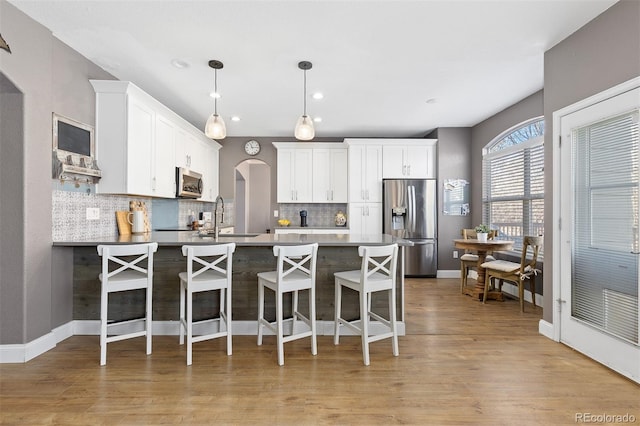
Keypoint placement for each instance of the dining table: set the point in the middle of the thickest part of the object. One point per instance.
(481, 248)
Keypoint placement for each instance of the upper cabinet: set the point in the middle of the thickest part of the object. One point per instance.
(311, 172)
(137, 141)
(365, 170)
(409, 159)
(295, 173)
(330, 175)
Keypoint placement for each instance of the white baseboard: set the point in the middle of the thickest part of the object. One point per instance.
(512, 289)
(546, 329)
(240, 328)
(20, 353)
(455, 273)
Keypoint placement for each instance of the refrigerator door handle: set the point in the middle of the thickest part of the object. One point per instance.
(411, 213)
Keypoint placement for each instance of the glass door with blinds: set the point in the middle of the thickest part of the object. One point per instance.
(600, 177)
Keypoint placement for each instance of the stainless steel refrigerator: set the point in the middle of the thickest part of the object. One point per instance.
(410, 212)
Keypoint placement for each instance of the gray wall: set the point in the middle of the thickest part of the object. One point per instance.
(52, 78)
(600, 55)
(454, 162)
(11, 183)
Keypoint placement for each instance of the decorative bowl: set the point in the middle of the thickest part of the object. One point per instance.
(284, 222)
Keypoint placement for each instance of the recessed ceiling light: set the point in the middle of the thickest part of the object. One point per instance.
(214, 95)
(317, 119)
(180, 63)
(318, 95)
(235, 118)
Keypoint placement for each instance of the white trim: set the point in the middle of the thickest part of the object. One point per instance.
(556, 243)
(448, 273)
(239, 328)
(512, 289)
(19, 353)
(546, 329)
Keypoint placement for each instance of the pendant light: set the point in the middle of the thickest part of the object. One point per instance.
(304, 127)
(215, 128)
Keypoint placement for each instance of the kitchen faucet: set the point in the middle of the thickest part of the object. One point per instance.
(216, 227)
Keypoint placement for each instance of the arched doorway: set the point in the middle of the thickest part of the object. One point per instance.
(252, 189)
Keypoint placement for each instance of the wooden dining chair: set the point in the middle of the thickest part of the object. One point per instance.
(517, 273)
(470, 260)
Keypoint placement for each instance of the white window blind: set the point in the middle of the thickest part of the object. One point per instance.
(513, 184)
(605, 160)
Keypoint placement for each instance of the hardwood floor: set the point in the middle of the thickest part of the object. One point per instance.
(461, 362)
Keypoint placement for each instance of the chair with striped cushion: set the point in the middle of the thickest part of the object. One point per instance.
(517, 273)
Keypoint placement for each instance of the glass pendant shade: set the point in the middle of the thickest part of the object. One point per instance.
(304, 128)
(215, 127)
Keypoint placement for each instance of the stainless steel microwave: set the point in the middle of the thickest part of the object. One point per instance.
(188, 183)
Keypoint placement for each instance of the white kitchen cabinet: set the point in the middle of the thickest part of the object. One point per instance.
(409, 159)
(125, 129)
(138, 141)
(365, 170)
(294, 174)
(207, 157)
(365, 218)
(330, 175)
(163, 181)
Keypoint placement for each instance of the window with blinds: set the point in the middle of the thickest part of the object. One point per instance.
(605, 169)
(513, 183)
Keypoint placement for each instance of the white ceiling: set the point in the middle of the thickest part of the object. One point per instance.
(376, 62)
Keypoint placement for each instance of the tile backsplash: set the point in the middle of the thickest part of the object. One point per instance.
(69, 213)
(318, 214)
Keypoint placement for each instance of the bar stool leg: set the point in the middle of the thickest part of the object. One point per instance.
(336, 327)
(260, 311)
(312, 318)
(364, 319)
(280, 336)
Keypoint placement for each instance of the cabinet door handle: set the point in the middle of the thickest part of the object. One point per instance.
(409, 170)
(332, 195)
(367, 192)
(153, 184)
(404, 170)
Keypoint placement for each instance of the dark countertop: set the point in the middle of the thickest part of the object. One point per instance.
(179, 238)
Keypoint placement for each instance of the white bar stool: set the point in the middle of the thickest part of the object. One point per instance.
(214, 273)
(378, 273)
(119, 273)
(296, 271)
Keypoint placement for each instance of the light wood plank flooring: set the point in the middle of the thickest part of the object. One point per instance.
(462, 362)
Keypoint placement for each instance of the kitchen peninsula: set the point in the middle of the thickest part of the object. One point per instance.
(337, 252)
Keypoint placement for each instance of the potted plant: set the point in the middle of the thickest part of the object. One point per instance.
(482, 232)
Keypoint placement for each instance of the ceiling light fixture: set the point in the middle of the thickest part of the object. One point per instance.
(304, 126)
(318, 95)
(215, 128)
